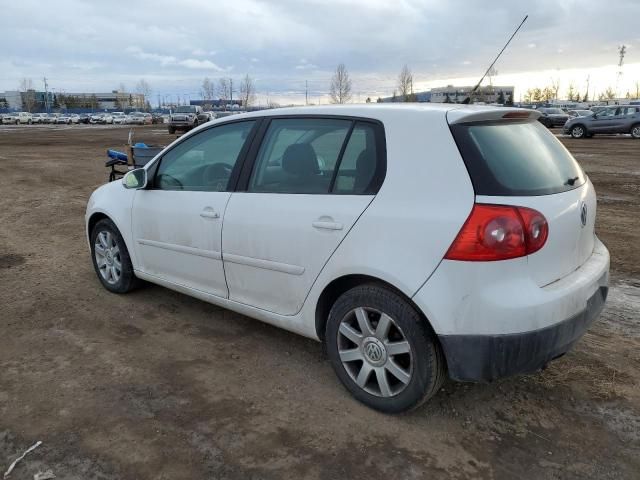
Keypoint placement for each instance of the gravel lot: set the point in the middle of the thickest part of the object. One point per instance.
(157, 385)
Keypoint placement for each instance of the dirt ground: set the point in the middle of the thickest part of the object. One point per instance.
(157, 385)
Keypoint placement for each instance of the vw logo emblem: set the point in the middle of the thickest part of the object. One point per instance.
(374, 352)
(583, 214)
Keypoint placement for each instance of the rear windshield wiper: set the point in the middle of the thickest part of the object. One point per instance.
(571, 181)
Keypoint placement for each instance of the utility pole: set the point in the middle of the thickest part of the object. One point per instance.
(306, 92)
(46, 95)
(231, 91)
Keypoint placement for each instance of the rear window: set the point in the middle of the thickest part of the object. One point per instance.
(516, 159)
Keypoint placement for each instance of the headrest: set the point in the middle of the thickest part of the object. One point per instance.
(300, 159)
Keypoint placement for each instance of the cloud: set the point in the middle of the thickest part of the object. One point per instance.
(285, 43)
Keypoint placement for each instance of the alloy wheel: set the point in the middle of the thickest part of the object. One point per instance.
(375, 352)
(107, 256)
(635, 132)
(577, 132)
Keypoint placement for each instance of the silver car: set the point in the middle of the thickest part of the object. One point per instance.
(614, 119)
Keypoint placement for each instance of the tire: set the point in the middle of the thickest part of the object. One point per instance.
(418, 363)
(635, 130)
(172, 130)
(578, 131)
(106, 235)
(29, 122)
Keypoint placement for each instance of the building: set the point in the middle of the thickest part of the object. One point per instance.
(37, 101)
(486, 94)
(101, 101)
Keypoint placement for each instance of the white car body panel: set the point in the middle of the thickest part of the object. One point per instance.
(177, 237)
(266, 251)
(482, 298)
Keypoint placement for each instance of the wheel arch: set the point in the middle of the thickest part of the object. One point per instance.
(340, 285)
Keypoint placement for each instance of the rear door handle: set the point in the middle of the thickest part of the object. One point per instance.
(327, 225)
(209, 213)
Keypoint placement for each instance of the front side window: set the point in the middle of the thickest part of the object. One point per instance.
(204, 161)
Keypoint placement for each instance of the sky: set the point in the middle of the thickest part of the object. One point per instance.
(284, 45)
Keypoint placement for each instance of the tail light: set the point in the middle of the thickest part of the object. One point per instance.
(499, 232)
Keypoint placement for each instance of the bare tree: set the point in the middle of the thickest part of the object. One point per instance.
(340, 89)
(571, 92)
(28, 94)
(637, 85)
(224, 90)
(405, 84)
(144, 90)
(122, 88)
(247, 91)
(492, 73)
(208, 89)
(555, 87)
(608, 94)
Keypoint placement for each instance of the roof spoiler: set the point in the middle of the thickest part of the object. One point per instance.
(465, 115)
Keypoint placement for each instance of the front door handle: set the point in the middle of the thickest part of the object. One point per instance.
(209, 213)
(327, 225)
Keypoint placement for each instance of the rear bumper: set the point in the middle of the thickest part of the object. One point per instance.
(482, 358)
(493, 320)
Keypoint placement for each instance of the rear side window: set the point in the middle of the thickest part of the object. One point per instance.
(516, 159)
(319, 156)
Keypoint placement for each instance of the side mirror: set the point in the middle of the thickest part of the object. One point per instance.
(135, 179)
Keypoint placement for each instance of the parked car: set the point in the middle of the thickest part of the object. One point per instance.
(96, 118)
(552, 117)
(38, 117)
(10, 118)
(83, 118)
(50, 118)
(63, 118)
(614, 119)
(18, 118)
(157, 118)
(148, 118)
(415, 242)
(119, 118)
(205, 117)
(184, 118)
(579, 113)
(137, 118)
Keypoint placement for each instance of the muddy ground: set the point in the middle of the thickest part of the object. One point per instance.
(157, 385)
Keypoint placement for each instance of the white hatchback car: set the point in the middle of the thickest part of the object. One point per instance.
(415, 241)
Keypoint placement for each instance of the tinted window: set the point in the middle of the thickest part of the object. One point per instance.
(298, 155)
(516, 159)
(358, 165)
(204, 161)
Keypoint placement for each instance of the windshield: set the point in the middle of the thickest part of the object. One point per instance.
(516, 159)
(186, 109)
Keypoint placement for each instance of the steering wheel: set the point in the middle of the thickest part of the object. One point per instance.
(216, 172)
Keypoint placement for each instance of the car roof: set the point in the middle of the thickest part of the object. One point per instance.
(387, 111)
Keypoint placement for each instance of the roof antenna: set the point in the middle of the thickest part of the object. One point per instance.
(468, 99)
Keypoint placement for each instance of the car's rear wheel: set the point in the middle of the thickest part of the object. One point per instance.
(382, 351)
(111, 259)
(578, 131)
(635, 130)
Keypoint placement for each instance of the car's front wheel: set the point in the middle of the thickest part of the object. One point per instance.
(578, 131)
(382, 351)
(111, 259)
(635, 130)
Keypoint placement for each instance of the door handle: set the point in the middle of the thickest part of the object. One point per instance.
(209, 213)
(327, 225)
